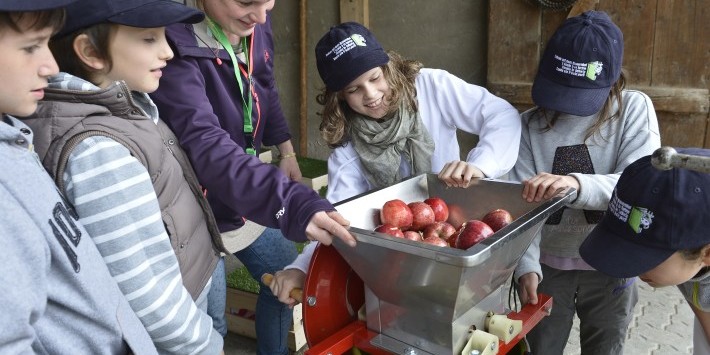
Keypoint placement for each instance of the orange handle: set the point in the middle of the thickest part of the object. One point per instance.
(296, 293)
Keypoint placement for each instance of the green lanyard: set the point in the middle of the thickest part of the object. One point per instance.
(218, 33)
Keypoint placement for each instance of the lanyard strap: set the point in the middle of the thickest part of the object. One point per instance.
(247, 100)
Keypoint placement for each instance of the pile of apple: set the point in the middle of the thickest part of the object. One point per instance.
(429, 222)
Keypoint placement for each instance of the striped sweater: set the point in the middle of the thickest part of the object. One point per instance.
(115, 200)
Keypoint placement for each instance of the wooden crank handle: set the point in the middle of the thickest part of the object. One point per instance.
(296, 293)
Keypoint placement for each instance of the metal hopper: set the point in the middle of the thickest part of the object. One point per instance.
(425, 297)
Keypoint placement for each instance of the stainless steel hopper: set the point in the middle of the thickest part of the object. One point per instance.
(424, 298)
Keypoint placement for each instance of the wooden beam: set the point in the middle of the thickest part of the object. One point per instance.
(355, 10)
(303, 73)
(668, 99)
(582, 6)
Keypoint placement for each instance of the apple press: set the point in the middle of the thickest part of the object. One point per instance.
(420, 298)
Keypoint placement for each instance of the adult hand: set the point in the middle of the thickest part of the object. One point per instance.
(527, 288)
(544, 186)
(289, 166)
(323, 226)
(285, 281)
(459, 173)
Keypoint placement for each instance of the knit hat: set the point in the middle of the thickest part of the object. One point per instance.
(32, 5)
(581, 63)
(134, 13)
(652, 214)
(347, 51)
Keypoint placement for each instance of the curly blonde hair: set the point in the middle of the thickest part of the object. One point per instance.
(399, 73)
(605, 114)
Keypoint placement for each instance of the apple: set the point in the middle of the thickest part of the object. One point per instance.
(391, 230)
(396, 213)
(497, 219)
(434, 240)
(472, 232)
(422, 215)
(456, 216)
(441, 209)
(442, 230)
(412, 235)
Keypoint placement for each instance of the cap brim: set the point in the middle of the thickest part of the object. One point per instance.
(25, 5)
(619, 257)
(158, 14)
(571, 100)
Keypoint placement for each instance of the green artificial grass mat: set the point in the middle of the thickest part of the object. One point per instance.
(240, 278)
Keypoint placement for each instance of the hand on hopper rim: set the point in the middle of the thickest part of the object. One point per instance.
(324, 225)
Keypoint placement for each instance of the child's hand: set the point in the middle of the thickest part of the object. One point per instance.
(459, 173)
(544, 186)
(527, 289)
(285, 281)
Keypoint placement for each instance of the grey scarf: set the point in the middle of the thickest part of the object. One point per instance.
(382, 144)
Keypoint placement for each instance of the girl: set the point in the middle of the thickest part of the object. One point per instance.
(388, 119)
(584, 131)
(121, 169)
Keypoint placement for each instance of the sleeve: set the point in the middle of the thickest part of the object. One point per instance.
(474, 109)
(260, 192)
(303, 260)
(525, 165)
(276, 129)
(23, 273)
(640, 137)
(345, 179)
(114, 197)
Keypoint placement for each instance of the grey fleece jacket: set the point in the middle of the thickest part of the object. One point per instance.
(596, 163)
(57, 294)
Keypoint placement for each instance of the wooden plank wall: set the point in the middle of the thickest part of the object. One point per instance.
(666, 55)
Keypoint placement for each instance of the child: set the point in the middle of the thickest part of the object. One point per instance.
(57, 295)
(388, 119)
(656, 227)
(583, 132)
(122, 169)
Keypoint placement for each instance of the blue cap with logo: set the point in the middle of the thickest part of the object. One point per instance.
(652, 214)
(32, 5)
(581, 63)
(347, 51)
(134, 13)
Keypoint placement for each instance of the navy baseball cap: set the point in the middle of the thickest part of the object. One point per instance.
(581, 63)
(347, 51)
(32, 5)
(652, 214)
(134, 13)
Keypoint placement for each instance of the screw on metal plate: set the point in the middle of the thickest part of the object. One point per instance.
(311, 300)
(510, 330)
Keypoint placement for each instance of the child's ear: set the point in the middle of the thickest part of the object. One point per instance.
(705, 255)
(87, 53)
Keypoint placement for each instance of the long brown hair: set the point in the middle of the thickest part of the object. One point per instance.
(400, 74)
(605, 114)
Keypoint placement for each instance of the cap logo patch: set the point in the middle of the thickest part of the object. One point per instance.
(346, 45)
(638, 218)
(590, 70)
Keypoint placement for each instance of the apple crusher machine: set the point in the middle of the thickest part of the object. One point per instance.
(419, 298)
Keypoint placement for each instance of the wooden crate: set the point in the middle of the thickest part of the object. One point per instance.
(241, 312)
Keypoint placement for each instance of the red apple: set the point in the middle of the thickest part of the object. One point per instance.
(422, 214)
(441, 210)
(442, 230)
(456, 216)
(412, 235)
(396, 213)
(434, 240)
(391, 230)
(472, 232)
(497, 219)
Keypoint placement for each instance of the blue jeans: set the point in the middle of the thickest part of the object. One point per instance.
(269, 253)
(217, 298)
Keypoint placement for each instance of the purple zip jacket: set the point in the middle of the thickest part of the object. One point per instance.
(199, 99)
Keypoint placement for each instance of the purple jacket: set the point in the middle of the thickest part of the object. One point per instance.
(200, 101)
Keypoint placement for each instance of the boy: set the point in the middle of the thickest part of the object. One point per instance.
(656, 228)
(58, 296)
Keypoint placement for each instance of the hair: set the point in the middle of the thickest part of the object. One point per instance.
(605, 114)
(100, 36)
(400, 74)
(20, 21)
(692, 254)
